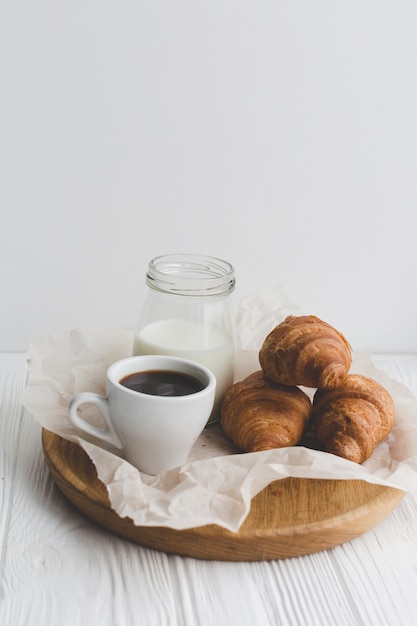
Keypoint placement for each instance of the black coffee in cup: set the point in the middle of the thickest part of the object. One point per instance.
(162, 383)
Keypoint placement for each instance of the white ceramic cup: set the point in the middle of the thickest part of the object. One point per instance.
(156, 432)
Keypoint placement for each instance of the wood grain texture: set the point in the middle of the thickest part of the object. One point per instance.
(291, 517)
(60, 568)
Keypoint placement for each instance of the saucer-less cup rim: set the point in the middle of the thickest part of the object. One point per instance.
(118, 370)
(181, 405)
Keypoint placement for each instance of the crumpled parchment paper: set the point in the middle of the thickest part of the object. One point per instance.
(217, 483)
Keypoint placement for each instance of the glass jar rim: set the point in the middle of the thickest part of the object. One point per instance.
(190, 275)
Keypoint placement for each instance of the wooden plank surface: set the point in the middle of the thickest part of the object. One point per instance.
(59, 568)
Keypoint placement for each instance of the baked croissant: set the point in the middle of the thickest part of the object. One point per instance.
(258, 414)
(305, 351)
(351, 420)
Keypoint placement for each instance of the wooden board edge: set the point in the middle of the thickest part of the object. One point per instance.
(216, 543)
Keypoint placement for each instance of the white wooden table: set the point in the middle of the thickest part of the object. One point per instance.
(58, 569)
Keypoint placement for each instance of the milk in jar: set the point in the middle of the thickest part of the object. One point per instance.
(189, 339)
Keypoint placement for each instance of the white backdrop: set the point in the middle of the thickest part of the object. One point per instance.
(278, 135)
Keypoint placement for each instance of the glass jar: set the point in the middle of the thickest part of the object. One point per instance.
(187, 313)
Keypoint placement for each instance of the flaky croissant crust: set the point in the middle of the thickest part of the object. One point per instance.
(353, 418)
(305, 350)
(258, 414)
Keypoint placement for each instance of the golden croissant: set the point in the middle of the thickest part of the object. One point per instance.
(258, 414)
(351, 420)
(305, 351)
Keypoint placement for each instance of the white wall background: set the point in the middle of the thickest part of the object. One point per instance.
(280, 135)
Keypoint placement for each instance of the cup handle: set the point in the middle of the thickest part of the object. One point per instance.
(107, 434)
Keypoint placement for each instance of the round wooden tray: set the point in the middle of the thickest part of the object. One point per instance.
(291, 517)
